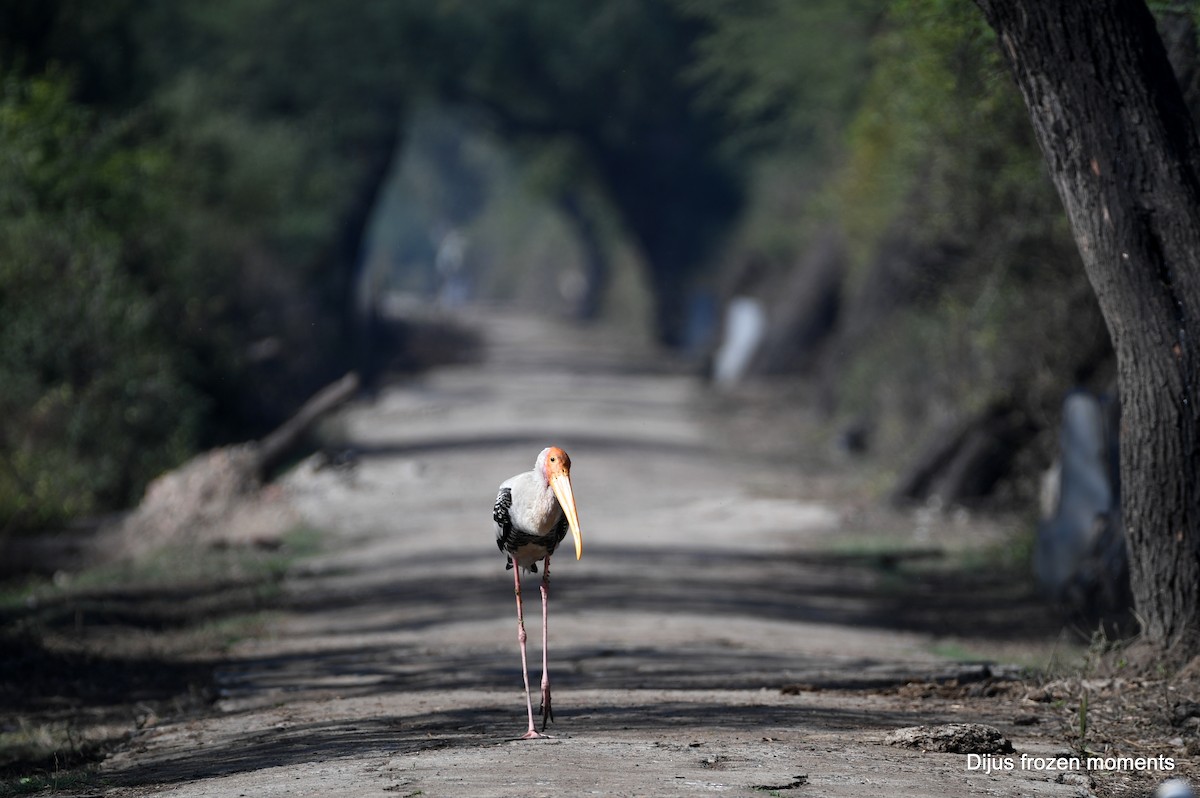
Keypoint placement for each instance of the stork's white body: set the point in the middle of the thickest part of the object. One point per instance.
(535, 512)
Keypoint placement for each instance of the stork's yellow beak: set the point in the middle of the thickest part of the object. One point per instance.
(560, 483)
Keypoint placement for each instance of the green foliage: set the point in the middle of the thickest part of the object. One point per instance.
(141, 253)
(182, 182)
(161, 215)
(94, 402)
(942, 164)
(941, 138)
(53, 783)
(787, 75)
(897, 123)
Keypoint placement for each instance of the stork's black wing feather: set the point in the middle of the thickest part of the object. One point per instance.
(504, 528)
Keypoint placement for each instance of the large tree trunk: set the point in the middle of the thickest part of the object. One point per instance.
(1122, 151)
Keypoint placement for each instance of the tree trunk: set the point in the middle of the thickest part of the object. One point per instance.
(1122, 151)
(595, 254)
(358, 327)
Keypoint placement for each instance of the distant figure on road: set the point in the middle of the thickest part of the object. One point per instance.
(453, 289)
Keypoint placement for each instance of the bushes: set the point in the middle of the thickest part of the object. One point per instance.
(947, 197)
(145, 257)
(93, 399)
(178, 231)
(962, 288)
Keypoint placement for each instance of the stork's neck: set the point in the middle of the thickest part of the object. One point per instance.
(539, 466)
(535, 508)
(546, 508)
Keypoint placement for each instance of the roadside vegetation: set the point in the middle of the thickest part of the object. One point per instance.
(90, 657)
(184, 214)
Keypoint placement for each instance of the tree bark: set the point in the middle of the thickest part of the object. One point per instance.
(1122, 152)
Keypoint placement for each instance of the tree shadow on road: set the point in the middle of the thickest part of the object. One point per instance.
(378, 739)
(727, 589)
(875, 591)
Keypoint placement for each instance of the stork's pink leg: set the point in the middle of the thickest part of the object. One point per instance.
(547, 712)
(524, 663)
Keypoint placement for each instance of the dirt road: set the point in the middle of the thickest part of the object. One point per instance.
(706, 586)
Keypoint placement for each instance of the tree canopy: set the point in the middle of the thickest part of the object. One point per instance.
(187, 186)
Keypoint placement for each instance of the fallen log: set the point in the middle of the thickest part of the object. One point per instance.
(963, 465)
(199, 500)
(272, 449)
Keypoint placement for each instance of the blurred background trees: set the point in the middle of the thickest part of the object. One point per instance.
(198, 200)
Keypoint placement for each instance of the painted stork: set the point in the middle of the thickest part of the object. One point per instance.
(533, 512)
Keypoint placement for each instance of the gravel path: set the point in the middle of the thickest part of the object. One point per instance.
(700, 595)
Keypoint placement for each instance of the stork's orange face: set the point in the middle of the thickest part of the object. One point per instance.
(558, 473)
